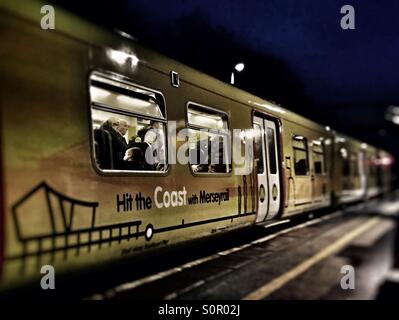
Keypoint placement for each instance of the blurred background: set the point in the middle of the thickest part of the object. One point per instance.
(295, 53)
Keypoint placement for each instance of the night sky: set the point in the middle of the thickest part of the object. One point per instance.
(295, 52)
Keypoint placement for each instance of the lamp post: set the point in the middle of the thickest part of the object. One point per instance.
(238, 67)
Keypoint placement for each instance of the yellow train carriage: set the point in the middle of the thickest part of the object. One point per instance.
(361, 171)
(79, 108)
(307, 165)
(349, 169)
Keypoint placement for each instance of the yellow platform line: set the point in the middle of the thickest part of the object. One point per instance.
(335, 247)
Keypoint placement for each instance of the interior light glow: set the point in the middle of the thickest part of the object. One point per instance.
(136, 102)
(122, 57)
(98, 94)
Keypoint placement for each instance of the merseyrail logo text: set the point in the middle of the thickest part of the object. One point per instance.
(208, 197)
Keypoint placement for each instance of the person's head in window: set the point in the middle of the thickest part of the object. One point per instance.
(122, 127)
(155, 124)
(133, 154)
(114, 123)
(110, 123)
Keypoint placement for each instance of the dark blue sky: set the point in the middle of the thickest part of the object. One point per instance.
(356, 66)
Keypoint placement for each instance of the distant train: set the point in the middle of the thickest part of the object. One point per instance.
(77, 107)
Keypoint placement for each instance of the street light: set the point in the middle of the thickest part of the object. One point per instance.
(238, 67)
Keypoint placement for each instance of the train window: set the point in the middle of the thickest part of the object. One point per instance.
(209, 140)
(345, 162)
(258, 148)
(129, 126)
(271, 145)
(318, 158)
(300, 155)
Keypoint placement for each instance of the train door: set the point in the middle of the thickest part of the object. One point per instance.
(266, 158)
(318, 172)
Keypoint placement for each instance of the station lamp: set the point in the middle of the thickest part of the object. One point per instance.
(238, 68)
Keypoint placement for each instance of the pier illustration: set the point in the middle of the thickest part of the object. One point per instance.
(61, 230)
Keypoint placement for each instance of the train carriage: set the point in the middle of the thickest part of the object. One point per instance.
(82, 108)
(350, 159)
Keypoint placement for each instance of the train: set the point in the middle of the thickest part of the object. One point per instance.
(93, 130)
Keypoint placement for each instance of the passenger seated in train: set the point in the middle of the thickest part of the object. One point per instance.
(135, 156)
(154, 135)
(111, 144)
(110, 124)
(119, 144)
(135, 159)
(202, 160)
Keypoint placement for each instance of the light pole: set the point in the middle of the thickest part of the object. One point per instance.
(238, 67)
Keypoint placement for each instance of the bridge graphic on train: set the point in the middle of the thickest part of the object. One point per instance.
(64, 208)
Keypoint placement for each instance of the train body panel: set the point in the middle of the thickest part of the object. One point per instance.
(306, 152)
(69, 202)
(350, 183)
